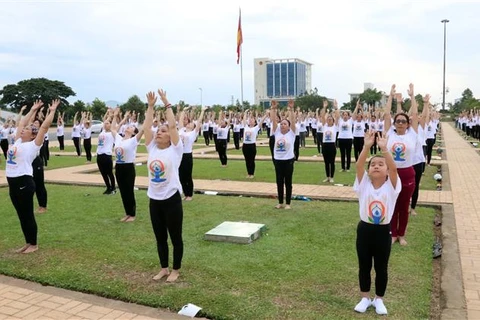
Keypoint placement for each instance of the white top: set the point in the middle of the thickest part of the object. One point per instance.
(250, 134)
(345, 129)
(215, 128)
(359, 129)
(237, 126)
(163, 166)
(20, 156)
(329, 134)
(87, 133)
(283, 148)
(60, 130)
(188, 139)
(205, 126)
(402, 147)
(105, 143)
(314, 122)
(373, 125)
(302, 126)
(430, 130)
(376, 206)
(381, 125)
(12, 135)
(4, 133)
(76, 131)
(418, 156)
(125, 149)
(222, 133)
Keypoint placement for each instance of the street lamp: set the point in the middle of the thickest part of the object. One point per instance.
(444, 21)
(201, 97)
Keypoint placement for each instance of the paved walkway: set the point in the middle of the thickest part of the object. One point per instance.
(24, 300)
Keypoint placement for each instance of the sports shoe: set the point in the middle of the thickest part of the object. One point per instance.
(326, 180)
(107, 191)
(113, 191)
(379, 306)
(331, 180)
(363, 305)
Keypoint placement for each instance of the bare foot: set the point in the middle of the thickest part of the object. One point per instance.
(394, 239)
(287, 207)
(30, 249)
(41, 210)
(173, 276)
(22, 248)
(279, 206)
(163, 273)
(130, 219)
(124, 219)
(402, 241)
(188, 199)
(413, 212)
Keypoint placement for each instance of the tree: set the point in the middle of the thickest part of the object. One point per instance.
(467, 102)
(134, 104)
(98, 108)
(310, 100)
(371, 96)
(26, 92)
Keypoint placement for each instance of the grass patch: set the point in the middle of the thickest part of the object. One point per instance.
(305, 267)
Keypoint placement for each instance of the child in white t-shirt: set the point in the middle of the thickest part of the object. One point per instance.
(377, 192)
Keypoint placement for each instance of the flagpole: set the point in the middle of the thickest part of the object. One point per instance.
(241, 76)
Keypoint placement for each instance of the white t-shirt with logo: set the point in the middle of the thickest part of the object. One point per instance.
(162, 165)
(345, 129)
(283, 147)
(418, 156)
(402, 147)
(20, 156)
(329, 134)
(359, 129)
(60, 130)
(376, 206)
(105, 143)
(188, 139)
(222, 133)
(76, 131)
(125, 149)
(250, 134)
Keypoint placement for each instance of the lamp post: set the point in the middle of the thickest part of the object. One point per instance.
(201, 97)
(444, 21)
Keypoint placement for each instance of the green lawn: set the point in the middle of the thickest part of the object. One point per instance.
(304, 267)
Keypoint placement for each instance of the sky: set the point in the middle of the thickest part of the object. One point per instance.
(112, 50)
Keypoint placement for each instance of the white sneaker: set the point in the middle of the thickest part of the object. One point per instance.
(326, 180)
(363, 305)
(331, 180)
(379, 306)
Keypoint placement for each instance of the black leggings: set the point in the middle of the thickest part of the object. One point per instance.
(61, 142)
(329, 153)
(206, 136)
(314, 134)
(105, 165)
(4, 145)
(76, 142)
(236, 140)
(87, 145)
(358, 143)
(222, 151)
(271, 145)
(373, 242)
(185, 173)
(21, 190)
(167, 218)
(249, 151)
(345, 146)
(125, 174)
(39, 179)
(284, 174)
(430, 143)
(319, 141)
(419, 167)
(296, 147)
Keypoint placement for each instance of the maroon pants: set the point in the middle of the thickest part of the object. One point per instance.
(400, 215)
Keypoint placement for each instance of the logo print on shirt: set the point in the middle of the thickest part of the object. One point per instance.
(328, 136)
(119, 155)
(358, 128)
(101, 140)
(248, 136)
(11, 155)
(281, 145)
(157, 169)
(398, 151)
(345, 127)
(376, 212)
(380, 127)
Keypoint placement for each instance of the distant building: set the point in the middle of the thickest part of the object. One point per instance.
(281, 79)
(366, 86)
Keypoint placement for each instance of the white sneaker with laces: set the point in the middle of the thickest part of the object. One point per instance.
(363, 305)
(379, 306)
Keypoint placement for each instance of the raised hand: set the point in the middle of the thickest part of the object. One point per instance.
(382, 142)
(53, 106)
(369, 139)
(426, 99)
(392, 91)
(291, 104)
(411, 91)
(163, 96)
(274, 104)
(325, 103)
(151, 99)
(335, 104)
(23, 108)
(37, 104)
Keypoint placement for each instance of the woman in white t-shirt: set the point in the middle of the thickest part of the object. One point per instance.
(19, 171)
(345, 140)
(76, 133)
(104, 155)
(188, 132)
(86, 134)
(329, 147)
(249, 147)
(377, 192)
(283, 154)
(402, 138)
(222, 136)
(4, 133)
(125, 152)
(61, 131)
(165, 151)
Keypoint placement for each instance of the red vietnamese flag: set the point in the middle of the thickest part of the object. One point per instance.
(239, 35)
